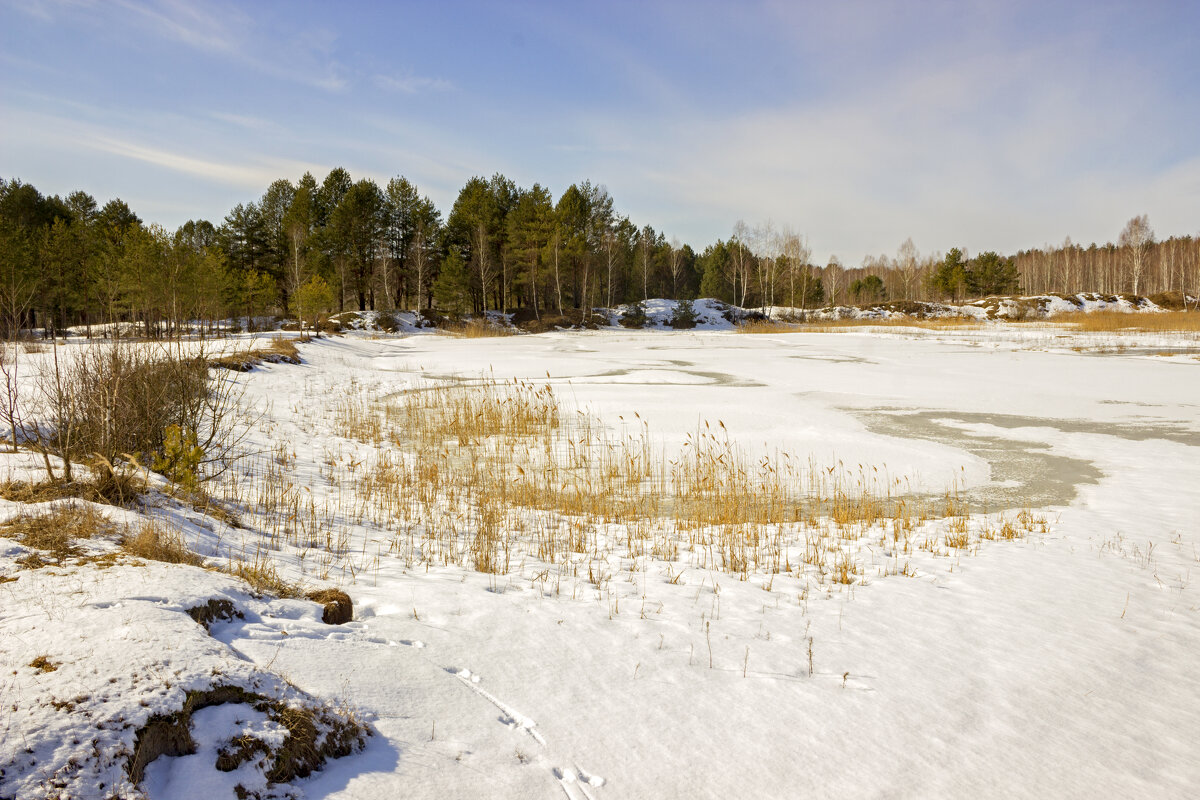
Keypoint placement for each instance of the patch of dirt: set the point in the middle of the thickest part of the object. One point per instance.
(217, 609)
(338, 607)
(524, 319)
(314, 735)
(1171, 301)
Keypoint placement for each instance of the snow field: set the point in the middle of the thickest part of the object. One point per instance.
(692, 609)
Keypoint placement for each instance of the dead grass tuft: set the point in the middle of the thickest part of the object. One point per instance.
(280, 350)
(926, 323)
(118, 487)
(56, 531)
(264, 579)
(767, 326)
(483, 329)
(154, 541)
(44, 664)
(38, 491)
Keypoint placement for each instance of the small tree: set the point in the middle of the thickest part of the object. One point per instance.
(634, 316)
(684, 316)
(312, 298)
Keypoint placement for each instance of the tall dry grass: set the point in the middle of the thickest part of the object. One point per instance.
(1118, 321)
(497, 475)
(483, 329)
(834, 325)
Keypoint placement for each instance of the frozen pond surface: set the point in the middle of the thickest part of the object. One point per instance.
(1060, 663)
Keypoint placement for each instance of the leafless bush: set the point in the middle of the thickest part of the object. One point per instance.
(112, 405)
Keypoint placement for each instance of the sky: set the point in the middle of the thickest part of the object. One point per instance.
(983, 125)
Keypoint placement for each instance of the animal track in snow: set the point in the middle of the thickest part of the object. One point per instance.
(573, 781)
(511, 717)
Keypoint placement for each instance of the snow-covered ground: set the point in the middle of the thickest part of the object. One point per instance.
(1060, 662)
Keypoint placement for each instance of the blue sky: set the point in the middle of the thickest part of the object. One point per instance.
(989, 125)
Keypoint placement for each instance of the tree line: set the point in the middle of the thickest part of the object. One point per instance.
(306, 247)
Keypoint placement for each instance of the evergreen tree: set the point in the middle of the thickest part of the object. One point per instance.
(991, 274)
(684, 316)
(714, 265)
(868, 290)
(452, 287)
(357, 226)
(529, 230)
(950, 277)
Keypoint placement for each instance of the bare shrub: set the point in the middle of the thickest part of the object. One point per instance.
(111, 405)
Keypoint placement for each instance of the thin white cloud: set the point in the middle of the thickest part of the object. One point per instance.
(64, 134)
(412, 84)
(191, 23)
(224, 30)
(243, 121)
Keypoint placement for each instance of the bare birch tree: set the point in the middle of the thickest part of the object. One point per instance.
(1136, 239)
(907, 261)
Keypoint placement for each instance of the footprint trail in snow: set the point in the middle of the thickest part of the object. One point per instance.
(573, 781)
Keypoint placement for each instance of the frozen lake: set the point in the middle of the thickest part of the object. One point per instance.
(1057, 661)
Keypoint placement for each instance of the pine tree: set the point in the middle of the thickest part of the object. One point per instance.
(452, 287)
(950, 277)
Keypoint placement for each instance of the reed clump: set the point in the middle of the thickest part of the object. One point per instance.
(56, 532)
(493, 475)
(483, 329)
(753, 326)
(1120, 321)
(155, 541)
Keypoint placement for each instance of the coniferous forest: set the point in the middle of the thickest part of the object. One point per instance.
(310, 247)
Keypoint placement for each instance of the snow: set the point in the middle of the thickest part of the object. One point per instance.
(1061, 663)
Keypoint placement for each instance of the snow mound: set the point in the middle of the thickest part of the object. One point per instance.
(116, 684)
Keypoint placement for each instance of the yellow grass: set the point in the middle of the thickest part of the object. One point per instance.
(1117, 321)
(157, 542)
(55, 532)
(490, 474)
(833, 325)
(767, 326)
(482, 329)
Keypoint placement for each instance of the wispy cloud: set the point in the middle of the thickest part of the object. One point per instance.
(223, 30)
(243, 121)
(412, 84)
(246, 173)
(205, 28)
(1001, 150)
